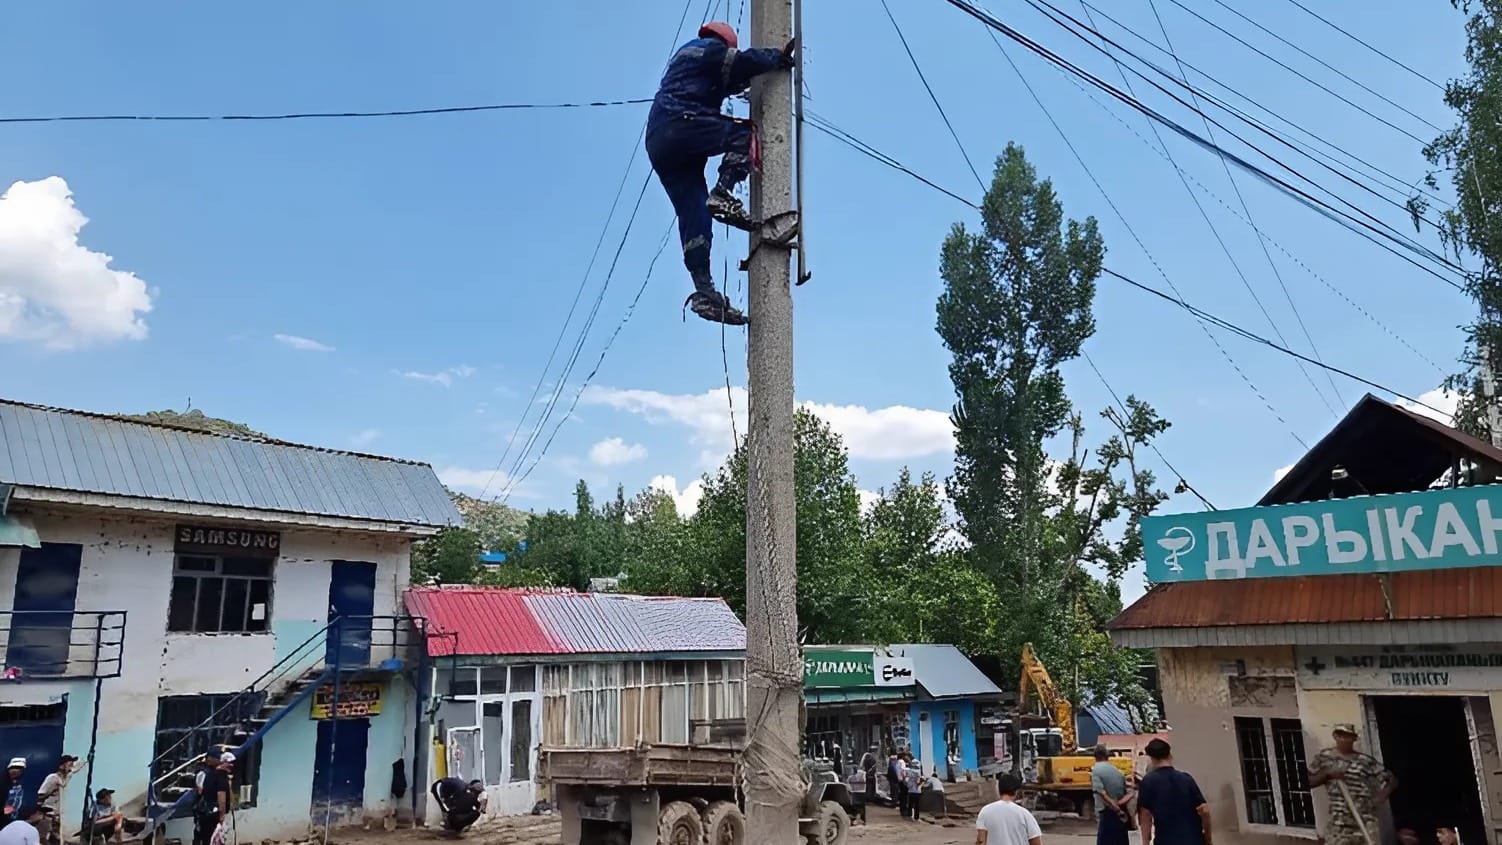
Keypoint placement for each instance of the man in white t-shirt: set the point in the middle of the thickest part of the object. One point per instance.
(1005, 822)
(23, 830)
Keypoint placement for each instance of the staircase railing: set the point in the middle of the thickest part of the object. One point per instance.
(373, 641)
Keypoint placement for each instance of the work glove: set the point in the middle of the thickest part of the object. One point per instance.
(790, 54)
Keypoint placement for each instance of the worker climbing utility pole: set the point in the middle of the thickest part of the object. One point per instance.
(774, 663)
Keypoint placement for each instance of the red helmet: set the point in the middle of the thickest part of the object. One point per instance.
(720, 30)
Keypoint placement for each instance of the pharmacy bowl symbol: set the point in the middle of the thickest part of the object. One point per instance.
(1177, 541)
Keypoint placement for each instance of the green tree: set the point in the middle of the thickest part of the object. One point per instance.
(706, 555)
(1016, 306)
(452, 556)
(1468, 157)
(568, 549)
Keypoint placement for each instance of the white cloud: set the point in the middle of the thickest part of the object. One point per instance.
(1440, 398)
(301, 344)
(1280, 472)
(490, 482)
(892, 433)
(686, 500)
(869, 498)
(614, 450)
(365, 437)
(444, 378)
(53, 289)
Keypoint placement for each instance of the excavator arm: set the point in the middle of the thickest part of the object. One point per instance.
(1035, 678)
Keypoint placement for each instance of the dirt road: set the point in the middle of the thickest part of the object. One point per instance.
(885, 829)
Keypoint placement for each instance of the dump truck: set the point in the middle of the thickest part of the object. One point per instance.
(676, 794)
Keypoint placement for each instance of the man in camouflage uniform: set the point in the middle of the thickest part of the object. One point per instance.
(1356, 785)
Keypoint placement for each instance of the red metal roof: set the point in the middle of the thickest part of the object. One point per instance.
(1474, 593)
(494, 621)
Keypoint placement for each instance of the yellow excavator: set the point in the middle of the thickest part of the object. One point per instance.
(1050, 758)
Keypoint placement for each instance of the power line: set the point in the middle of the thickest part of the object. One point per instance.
(1152, 444)
(1342, 74)
(1300, 74)
(1236, 188)
(1403, 188)
(1252, 336)
(1111, 203)
(1376, 228)
(573, 307)
(1078, 29)
(934, 97)
(182, 118)
(1386, 329)
(1347, 34)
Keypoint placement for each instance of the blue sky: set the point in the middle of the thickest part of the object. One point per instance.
(395, 285)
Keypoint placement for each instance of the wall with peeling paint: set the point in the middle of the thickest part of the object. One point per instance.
(127, 565)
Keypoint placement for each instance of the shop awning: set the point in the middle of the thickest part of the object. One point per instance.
(856, 695)
(17, 531)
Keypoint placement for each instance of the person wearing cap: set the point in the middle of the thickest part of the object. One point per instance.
(108, 821)
(50, 796)
(1356, 784)
(213, 804)
(15, 792)
(23, 827)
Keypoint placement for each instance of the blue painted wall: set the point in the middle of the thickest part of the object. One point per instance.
(935, 726)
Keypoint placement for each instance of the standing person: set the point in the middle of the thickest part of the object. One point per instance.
(1171, 810)
(892, 780)
(213, 804)
(1356, 785)
(1004, 821)
(1110, 788)
(900, 771)
(23, 830)
(685, 129)
(50, 796)
(15, 793)
(913, 778)
(868, 765)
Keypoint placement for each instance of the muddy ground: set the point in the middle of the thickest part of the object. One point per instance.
(885, 829)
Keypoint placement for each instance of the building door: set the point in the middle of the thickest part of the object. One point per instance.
(926, 745)
(36, 733)
(339, 765)
(351, 603)
(1426, 742)
(46, 590)
(510, 723)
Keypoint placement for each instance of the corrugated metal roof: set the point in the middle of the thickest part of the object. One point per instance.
(1110, 717)
(1474, 593)
(75, 451)
(944, 672)
(498, 621)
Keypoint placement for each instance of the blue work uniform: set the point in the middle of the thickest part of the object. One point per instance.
(685, 128)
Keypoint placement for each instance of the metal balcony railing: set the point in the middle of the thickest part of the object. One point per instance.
(61, 644)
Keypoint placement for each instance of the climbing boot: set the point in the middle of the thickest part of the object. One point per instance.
(714, 307)
(728, 209)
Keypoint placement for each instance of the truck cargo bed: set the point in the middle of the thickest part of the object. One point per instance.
(648, 765)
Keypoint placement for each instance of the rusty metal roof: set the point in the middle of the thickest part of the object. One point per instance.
(80, 452)
(494, 621)
(1439, 594)
(1386, 449)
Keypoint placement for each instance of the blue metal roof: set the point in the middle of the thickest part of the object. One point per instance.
(944, 672)
(76, 451)
(1111, 717)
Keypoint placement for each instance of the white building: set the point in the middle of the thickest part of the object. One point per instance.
(165, 592)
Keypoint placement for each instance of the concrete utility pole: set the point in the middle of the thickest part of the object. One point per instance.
(774, 662)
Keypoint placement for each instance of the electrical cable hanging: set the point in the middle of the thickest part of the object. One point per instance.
(801, 273)
(184, 118)
(1236, 189)
(1347, 34)
(1377, 228)
(1131, 230)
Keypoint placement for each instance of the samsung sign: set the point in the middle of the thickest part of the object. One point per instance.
(1437, 529)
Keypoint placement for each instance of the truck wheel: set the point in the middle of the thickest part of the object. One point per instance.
(679, 824)
(834, 823)
(724, 824)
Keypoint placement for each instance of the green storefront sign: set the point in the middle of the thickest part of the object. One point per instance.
(838, 669)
